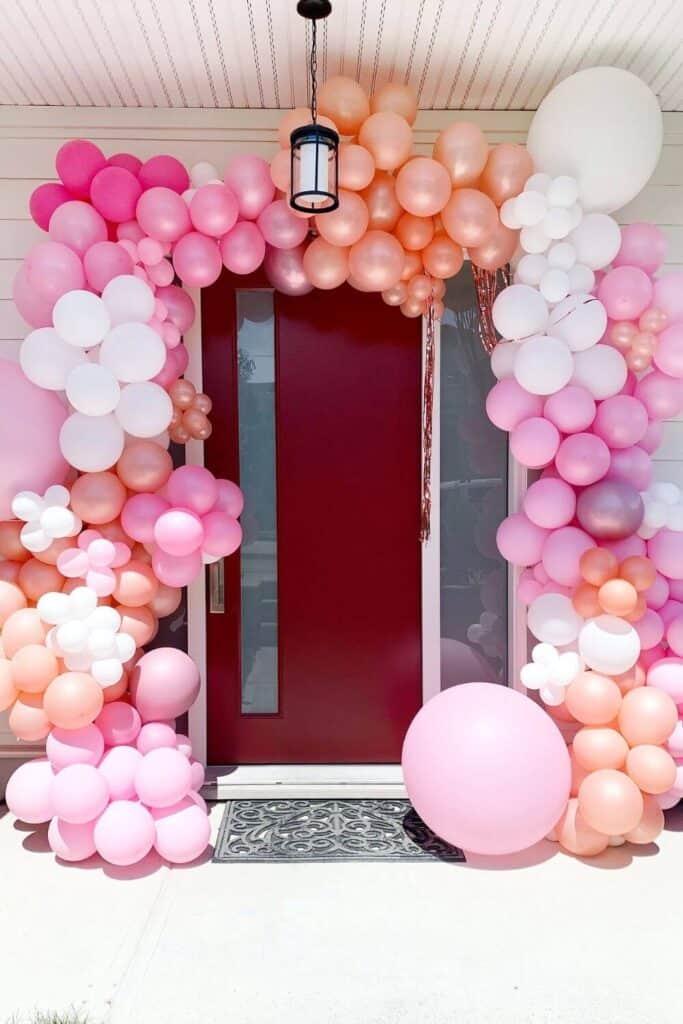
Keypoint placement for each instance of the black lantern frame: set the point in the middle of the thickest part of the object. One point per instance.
(322, 144)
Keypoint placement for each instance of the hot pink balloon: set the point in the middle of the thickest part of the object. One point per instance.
(178, 532)
(572, 409)
(163, 215)
(193, 487)
(668, 354)
(661, 395)
(285, 270)
(79, 793)
(183, 831)
(197, 260)
(582, 459)
(104, 261)
(621, 421)
(642, 245)
(625, 292)
(633, 465)
(508, 404)
(230, 498)
(222, 534)
(44, 201)
(243, 248)
(139, 516)
(179, 306)
(125, 833)
(534, 442)
(666, 551)
(667, 295)
(213, 210)
(562, 552)
(127, 160)
(77, 225)
(249, 178)
(74, 746)
(29, 792)
(52, 269)
(519, 540)
(164, 171)
(550, 503)
(164, 684)
(71, 842)
(280, 226)
(114, 192)
(77, 162)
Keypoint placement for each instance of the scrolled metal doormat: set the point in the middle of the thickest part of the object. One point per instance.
(326, 830)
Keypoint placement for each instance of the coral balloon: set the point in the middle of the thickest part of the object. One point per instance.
(597, 565)
(593, 699)
(442, 257)
(11, 547)
(597, 747)
(344, 101)
(388, 138)
(136, 584)
(650, 824)
(73, 700)
(610, 802)
(469, 217)
(326, 265)
(143, 466)
(463, 151)
(98, 498)
(638, 571)
(33, 668)
(139, 622)
(396, 97)
(376, 261)
(652, 769)
(576, 836)
(12, 599)
(347, 224)
(423, 187)
(507, 169)
(382, 204)
(585, 600)
(497, 250)
(22, 627)
(647, 715)
(356, 167)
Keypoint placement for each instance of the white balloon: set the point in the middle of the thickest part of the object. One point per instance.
(519, 311)
(47, 360)
(133, 352)
(101, 643)
(53, 607)
(128, 298)
(664, 490)
(553, 619)
(72, 636)
(92, 389)
(601, 370)
(533, 676)
(608, 644)
(580, 320)
(531, 269)
(581, 279)
(503, 359)
(144, 409)
(563, 191)
(83, 602)
(34, 537)
(105, 617)
(534, 239)
(125, 646)
(603, 126)
(530, 208)
(508, 214)
(557, 222)
(597, 240)
(544, 365)
(58, 521)
(91, 443)
(56, 494)
(27, 505)
(554, 285)
(562, 256)
(202, 173)
(81, 318)
(538, 183)
(106, 671)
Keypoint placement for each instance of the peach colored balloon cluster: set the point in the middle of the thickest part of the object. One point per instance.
(611, 587)
(191, 410)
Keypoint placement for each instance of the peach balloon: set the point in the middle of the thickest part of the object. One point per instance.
(197, 424)
(578, 772)
(598, 747)
(182, 393)
(344, 100)
(442, 257)
(98, 497)
(144, 466)
(414, 232)
(166, 601)
(8, 691)
(140, 553)
(356, 166)
(34, 667)
(647, 715)
(12, 599)
(51, 554)
(281, 169)
(593, 699)
(618, 597)
(638, 611)
(597, 565)
(73, 700)
(576, 836)
(383, 206)
(639, 571)
(114, 531)
(631, 679)
(347, 224)
(438, 287)
(413, 307)
(376, 260)
(9, 571)
(326, 265)
(412, 265)
(11, 547)
(652, 768)
(650, 824)
(610, 802)
(136, 584)
(507, 169)
(116, 690)
(28, 719)
(398, 98)
(497, 250)
(395, 295)
(585, 600)
(420, 287)
(388, 138)
(297, 118)
(463, 151)
(139, 622)
(36, 578)
(21, 628)
(469, 217)
(423, 186)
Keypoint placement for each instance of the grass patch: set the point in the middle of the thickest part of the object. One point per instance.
(48, 1017)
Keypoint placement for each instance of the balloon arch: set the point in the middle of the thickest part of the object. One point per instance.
(99, 533)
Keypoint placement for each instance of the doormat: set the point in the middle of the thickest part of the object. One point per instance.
(327, 830)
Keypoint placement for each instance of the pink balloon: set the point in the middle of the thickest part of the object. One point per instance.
(77, 162)
(625, 547)
(118, 767)
(104, 261)
(667, 295)
(178, 532)
(154, 735)
(183, 745)
(676, 589)
(666, 551)
(30, 421)
(668, 355)
(176, 570)
(534, 442)
(661, 395)
(114, 192)
(562, 552)
(164, 684)
(667, 674)
(658, 594)
(74, 746)
(194, 488)
(213, 210)
(486, 768)
(285, 270)
(179, 306)
(71, 842)
(197, 260)
(625, 292)
(29, 792)
(222, 534)
(139, 516)
(77, 225)
(44, 201)
(673, 607)
(53, 269)
(127, 160)
(183, 831)
(642, 245)
(674, 638)
(130, 231)
(633, 465)
(243, 248)
(125, 833)
(230, 498)
(621, 421)
(527, 591)
(79, 794)
(198, 776)
(652, 437)
(163, 215)
(165, 172)
(119, 723)
(582, 459)
(280, 226)
(519, 540)
(650, 629)
(35, 310)
(163, 777)
(249, 179)
(571, 409)
(508, 404)
(550, 503)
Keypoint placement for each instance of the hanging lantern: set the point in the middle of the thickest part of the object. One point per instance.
(314, 147)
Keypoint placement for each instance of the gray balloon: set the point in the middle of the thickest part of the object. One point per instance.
(610, 509)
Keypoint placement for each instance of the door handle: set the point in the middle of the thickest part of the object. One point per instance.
(217, 587)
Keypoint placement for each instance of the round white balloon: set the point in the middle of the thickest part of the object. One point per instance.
(597, 240)
(603, 126)
(133, 352)
(47, 360)
(534, 239)
(608, 644)
(602, 370)
(562, 256)
(580, 320)
(553, 619)
(91, 443)
(519, 311)
(144, 409)
(81, 318)
(581, 279)
(531, 269)
(544, 365)
(92, 389)
(554, 285)
(128, 298)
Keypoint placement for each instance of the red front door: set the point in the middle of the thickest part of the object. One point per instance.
(317, 655)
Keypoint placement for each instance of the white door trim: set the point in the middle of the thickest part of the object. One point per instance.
(431, 549)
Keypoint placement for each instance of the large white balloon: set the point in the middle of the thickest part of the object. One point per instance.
(81, 318)
(608, 644)
(603, 126)
(92, 389)
(579, 320)
(543, 365)
(602, 370)
(553, 619)
(91, 443)
(47, 360)
(596, 239)
(520, 311)
(133, 352)
(128, 298)
(144, 409)
(503, 359)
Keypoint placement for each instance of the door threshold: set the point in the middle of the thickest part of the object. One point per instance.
(324, 781)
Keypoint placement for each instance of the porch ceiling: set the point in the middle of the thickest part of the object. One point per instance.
(457, 54)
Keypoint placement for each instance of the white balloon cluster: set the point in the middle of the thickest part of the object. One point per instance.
(551, 671)
(488, 633)
(46, 518)
(663, 504)
(85, 635)
(201, 173)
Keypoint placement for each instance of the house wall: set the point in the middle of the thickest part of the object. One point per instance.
(30, 137)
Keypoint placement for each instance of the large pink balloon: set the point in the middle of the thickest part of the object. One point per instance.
(661, 395)
(124, 834)
(29, 792)
(248, 177)
(163, 214)
(197, 260)
(193, 487)
(114, 193)
(51, 269)
(519, 540)
(213, 210)
(182, 831)
(78, 161)
(666, 551)
(562, 552)
(77, 225)
(35, 310)
(642, 245)
(486, 768)
(164, 684)
(30, 422)
(243, 248)
(508, 404)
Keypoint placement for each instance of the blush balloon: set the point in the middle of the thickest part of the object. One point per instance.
(469, 217)
(325, 265)
(382, 204)
(423, 187)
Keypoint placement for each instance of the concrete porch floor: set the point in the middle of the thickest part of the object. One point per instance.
(548, 940)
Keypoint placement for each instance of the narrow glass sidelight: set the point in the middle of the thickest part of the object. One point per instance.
(257, 447)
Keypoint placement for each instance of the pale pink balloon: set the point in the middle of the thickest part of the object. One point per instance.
(163, 777)
(51, 269)
(164, 684)
(79, 793)
(154, 735)
(77, 225)
(183, 831)
(243, 248)
(29, 792)
(621, 421)
(550, 503)
(214, 210)
(71, 842)
(197, 260)
(280, 227)
(119, 723)
(652, 438)
(520, 541)
(139, 516)
(176, 570)
(376, 260)
(163, 214)
(118, 767)
(666, 551)
(650, 629)
(35, 310)
(656, 596)
(668, 354)
(633, 465)
(667, 295)
(572, 409)
(74, 746)
(423, 187)
(582, 459)
(248, 177)
(221, 534)
(642, 245)
(124, 834)
(562, 552)
(178, 532)
(534, 442)
(230, 498)
(104, 261)
(625, 292)
(661, 395)
(508, 404)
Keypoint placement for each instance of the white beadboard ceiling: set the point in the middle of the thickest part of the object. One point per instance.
(457, 54)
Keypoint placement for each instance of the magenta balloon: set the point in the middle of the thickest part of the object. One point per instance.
(104, 261)
(213, 210)
(621, 421)
(534, 442)
(668, 355)
(197, 260)
(508, 404)
(666, 551)
(77, 163)
(163, 214)
(194, 488)
(520, 541)
(249, 178)
(30, 422)
(550, 503)
(44, 201)
(127, 160)
(572, 409)
(661, 395)
(285, 270)
(486, 768)
(625, 292)
(35, 310)
(77, 225)
(243, 248)
(582, 459)
(164, 684)
(179, 306)
(53, 269)
(633, 465)
(610, 510)
(562, 552)
(280, 226)
(114, 192)
(222, 534)
(642, 245)
(164, 171)
(667, 295)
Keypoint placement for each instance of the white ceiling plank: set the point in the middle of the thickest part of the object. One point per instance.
(551, 49)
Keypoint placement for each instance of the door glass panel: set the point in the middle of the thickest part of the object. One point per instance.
(473, 497)
(258, 556)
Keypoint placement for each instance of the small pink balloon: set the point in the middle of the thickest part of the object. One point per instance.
(667, 295)
(572, 409)
(65, 747)
(520, 541)
(125, 833)
(52, 269)
(71, 842)
(114, 192)
(164, 171)
(230, 498)
(666, 551)
(176, 570)
(280, 226)
(194, 488)
(198, 775)
(652, 438)
(44, 201)
(77, 225)
(79, 793)
(163, 777)
(29, 792)
(621, 421)
(139, 516)
(550, 503)
(163, 214)
(582, 459)
(104, 261)
(562, 552)
(178, 532)
(633, 465)
(508, 404)
(668, 355)
(642, 245)
(534, 442)
(285, 270)
(164, 684)
(118, 767)
(658, 594)
(197, 260)
(119, 723)
(625, 292)
(222, 534)
(183, 831)
(154, 735)
(77, 163)
(661, 395)
(667, 674)
(650, 629)
(243, 248)
(179, 306)
(248, 177)
(213, 210)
